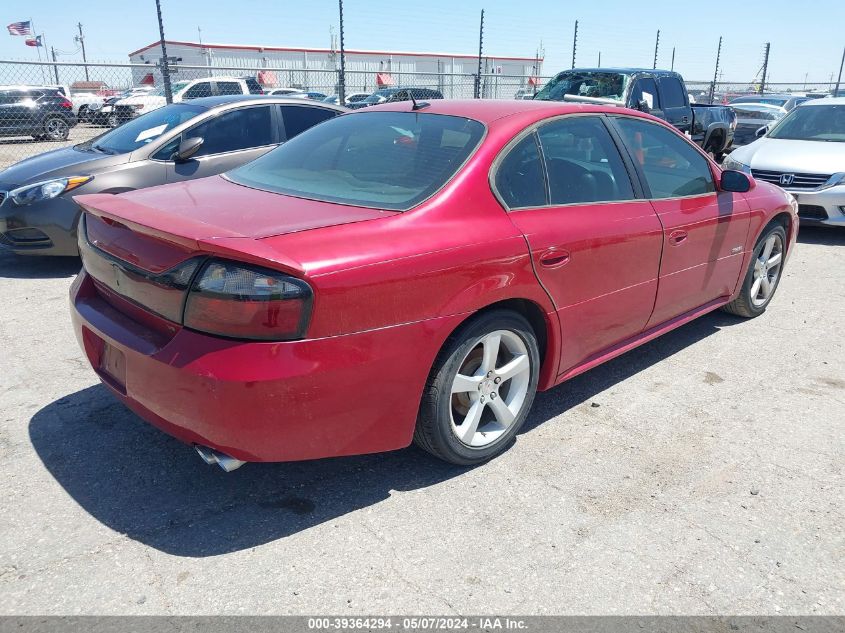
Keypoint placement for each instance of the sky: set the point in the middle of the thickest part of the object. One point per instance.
(806, 45)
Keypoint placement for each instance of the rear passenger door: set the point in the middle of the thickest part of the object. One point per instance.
(595, 243)
(704, 229)
(230, 139)
(675, 102)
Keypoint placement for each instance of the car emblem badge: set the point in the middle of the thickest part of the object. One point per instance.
(787, 179)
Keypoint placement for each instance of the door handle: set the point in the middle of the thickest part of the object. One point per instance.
(676, 238)
(554, 258)
(685, 119)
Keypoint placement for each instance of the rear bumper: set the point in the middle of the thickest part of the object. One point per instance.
(264, 401)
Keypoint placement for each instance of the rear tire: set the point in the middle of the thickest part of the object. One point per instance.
(764, 273)
(82, 115)
(480, 389)
(56, 129)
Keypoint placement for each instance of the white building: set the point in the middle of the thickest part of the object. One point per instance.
(317, 68)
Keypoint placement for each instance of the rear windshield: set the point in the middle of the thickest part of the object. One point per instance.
(594, 84)
(812, 123)
(385, 160)
(143, 130)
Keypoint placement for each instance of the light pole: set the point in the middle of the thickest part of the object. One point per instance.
(81, 39)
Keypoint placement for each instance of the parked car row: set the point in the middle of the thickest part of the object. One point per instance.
(181, 141)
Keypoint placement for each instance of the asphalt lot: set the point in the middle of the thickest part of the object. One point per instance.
(15, 149)
(699, 474)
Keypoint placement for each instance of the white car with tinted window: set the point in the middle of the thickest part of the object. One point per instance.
(804, 153)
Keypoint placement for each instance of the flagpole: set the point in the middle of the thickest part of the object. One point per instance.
(37, 48)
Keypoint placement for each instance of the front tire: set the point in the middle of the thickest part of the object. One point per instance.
(763, 276)
(480, 389)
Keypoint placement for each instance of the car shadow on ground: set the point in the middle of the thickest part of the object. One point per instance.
(142, 483)
(34, 267)
(823, 235)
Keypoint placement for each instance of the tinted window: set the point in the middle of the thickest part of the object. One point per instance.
(297, 119)
(202, 89)
(671, 166)
(519, 177)
(646, 90)
(253, 86)
(145, 129)
(234, 130)
(582, 162)
(386, 160)
(229, 88)
(672, 92)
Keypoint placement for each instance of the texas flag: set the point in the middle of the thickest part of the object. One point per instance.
(33, 41)
(20, 28)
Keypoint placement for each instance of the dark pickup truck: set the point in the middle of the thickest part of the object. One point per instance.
(661, 93)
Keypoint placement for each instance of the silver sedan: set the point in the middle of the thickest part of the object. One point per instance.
(804, 153)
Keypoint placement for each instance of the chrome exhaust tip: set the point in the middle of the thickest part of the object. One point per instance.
(210, 456)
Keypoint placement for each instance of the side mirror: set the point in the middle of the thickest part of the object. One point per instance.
(187, 148)
(642, 106)
(735, 181)
(761, 131)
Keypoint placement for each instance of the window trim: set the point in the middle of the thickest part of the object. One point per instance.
(638, 170)
(633, 176)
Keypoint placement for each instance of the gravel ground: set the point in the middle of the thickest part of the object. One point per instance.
(699, 474)
(16, 149)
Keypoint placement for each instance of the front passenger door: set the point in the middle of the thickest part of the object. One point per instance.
(704, 229)
(230, 139)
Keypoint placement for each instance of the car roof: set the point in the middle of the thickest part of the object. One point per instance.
(625, 70)
(490, 110)
(223, 100)
(823, 102)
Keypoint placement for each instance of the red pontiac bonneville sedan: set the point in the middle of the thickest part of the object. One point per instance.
(413, 272)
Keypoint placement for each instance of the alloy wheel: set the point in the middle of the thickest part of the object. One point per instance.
(56, 129)
(490, 388)
(767, 267)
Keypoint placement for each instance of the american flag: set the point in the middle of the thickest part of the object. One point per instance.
(20, 28)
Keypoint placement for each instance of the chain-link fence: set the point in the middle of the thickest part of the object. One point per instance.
(48, 105)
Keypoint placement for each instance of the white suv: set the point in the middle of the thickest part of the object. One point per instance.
(136, 105)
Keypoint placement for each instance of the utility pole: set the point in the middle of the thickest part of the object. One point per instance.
(656, 46)
(480, 52)
(716, 72)
(574, 43)
(165, 69)
(673, 59)
(81, 39)
(341, 85)
(765, 68)
(55, 68)
(839, 80)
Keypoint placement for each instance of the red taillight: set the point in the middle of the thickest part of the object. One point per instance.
(67, 105)
(247, 302)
